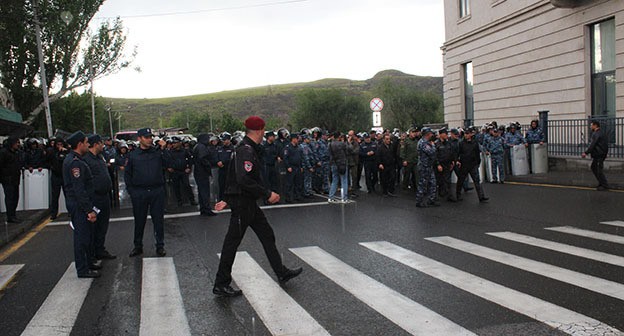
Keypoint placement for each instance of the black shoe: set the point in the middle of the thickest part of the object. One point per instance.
(421, 205)
(136, 251)
(451, 199)
(226, 291)
(13, 220)
(468, 189)
(602, 188)
(484, 199)
(160, 251)
(289, 274)
(208, 213)
(392, 195)
(433, 204)
(89, 274)
(106, 255)
(501, 182)
(95, 266)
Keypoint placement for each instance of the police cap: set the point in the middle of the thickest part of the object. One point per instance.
(145, 132)
(93, 139)
(426, 130)
(75, 138)
(455, 131)
(269, 134)
(443, 130)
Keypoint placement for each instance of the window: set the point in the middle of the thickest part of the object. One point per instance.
(464, 8)
(468, 94)
(603, 68)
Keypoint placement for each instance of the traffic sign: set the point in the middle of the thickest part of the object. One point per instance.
(377, 119)
(376, 104)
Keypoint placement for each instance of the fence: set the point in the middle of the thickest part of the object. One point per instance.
(571, 137)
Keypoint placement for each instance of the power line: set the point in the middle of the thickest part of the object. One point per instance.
(276, 3)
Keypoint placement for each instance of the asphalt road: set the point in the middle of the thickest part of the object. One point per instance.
(379, 266)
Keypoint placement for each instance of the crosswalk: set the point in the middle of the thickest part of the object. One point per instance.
(162, 306)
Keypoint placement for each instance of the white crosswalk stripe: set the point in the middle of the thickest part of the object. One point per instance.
(7, 273)
(588, 234)
(409, 315)
(557, 317)
(589, 282)
(613, 223)
(279, 312)
(59, 311)
(162, 309)
(563, 248)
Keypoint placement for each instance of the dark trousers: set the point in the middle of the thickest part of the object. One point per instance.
(358, 175)
(294, 184)
(222, 177)
(152, 200)
(203, 193)
(83, 239)
(370, 174)
(11, 198)
(181, 187)
(464, 185)
(56, 183)
(597, 168)
(246, 213)
(410, 175)
(100, 227)
(444, 180)
(388, 175)
(463, 175)
(269, 174)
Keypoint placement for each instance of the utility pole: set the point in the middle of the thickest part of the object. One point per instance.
(44, 83)
(93, 103)
(110, 119)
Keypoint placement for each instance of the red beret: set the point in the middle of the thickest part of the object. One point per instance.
(254, 123)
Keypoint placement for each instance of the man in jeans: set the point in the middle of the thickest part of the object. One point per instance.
(338, 163)
(598, 149)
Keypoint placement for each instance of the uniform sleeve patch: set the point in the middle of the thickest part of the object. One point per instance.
(76, 172)
(248, 166)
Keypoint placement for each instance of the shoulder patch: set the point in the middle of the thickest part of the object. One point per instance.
(248, 166)
(76, 172)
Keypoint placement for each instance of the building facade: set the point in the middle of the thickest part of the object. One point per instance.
(506, 60)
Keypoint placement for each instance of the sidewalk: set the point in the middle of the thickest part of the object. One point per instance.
(580, 178)
(30, 218)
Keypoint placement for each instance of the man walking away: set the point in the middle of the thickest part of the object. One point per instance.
(598, 149)
(203, 173)
(469, 161)
(386, 162)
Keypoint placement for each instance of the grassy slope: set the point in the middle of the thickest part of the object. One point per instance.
(268, 101)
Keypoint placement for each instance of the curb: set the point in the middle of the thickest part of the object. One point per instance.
(25, 227)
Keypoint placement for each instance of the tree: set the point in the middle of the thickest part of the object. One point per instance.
(331, 109)
(73, 53)
(73, 112)
(405, 107)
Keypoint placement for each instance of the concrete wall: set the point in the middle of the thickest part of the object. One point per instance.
(527, 56)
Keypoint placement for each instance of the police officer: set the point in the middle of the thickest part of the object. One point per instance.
(494, 147)
(56, 157)
(368, 149)
(224, 155)
(102, 186)
(469, 160)
(446, 161)
(409, 155)
(309, 165)
(145, 182)
(79, 192)
(10, 173)
(534, 134)
(244, 187)
(179, 166)
(270, 160)
(203, 173)
(427, 160)
(35, 156)
(293, 160)
(321, 150)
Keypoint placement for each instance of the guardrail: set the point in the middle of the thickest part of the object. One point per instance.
(571, 137)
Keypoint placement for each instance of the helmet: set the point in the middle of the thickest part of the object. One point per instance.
(225, 136)
(305, 131)
(236, 140)
(455, 131)
(213, 138)
(283, 133)
(316, 130)
(123, 144)
(365, 135)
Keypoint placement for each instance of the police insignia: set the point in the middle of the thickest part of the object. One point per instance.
(76, 172)
(248, 166)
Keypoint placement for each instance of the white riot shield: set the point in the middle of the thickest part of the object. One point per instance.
(36, 189)
(539, 158)
(519, 160)
(488, 168)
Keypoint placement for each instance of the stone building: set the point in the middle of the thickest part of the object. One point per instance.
(506, 60)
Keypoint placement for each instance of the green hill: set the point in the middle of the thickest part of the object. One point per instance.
(273, 101)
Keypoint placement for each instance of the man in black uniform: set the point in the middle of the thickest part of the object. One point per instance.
(446, 161)
(270, 160)
(79, 193)
(56, 157)
(469, 160)
(599, 148)
(386, 162)
(244, 187)
(10, 173)
(224, 155)
(293, 159)
(145, 181)
(180, 166)
(368, 149)
(203, 173)
(102, 186)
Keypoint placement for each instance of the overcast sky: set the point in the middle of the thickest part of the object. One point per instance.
(233, 44)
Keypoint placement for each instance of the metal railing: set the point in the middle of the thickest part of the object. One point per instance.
(571, 137)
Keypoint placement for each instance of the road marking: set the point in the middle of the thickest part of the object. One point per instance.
(280, 313)
(162, 309)
(7, 273)
(16, 246)
(407, 314)
(558, 186)
(614, 223)
(563, 248)
(555, 316)
(59, 311)
(582, 280)
(196, 213)
(588, 234)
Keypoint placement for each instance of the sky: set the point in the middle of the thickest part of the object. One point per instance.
(219, 45)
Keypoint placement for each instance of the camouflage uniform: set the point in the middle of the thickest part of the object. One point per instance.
(321, 176)
(309, 165)
(426, 174)
(495, 145)
(535, 136)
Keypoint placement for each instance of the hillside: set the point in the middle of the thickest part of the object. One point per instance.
(276, 101)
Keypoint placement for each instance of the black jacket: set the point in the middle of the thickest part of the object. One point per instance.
(338, 153)
(203, 159)
(10, 166)
(445, 152)
(386, 155)
(77, 184)
(102, 184)
(145, 168)
(244, 178)
(469, 154)
(599, 147)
